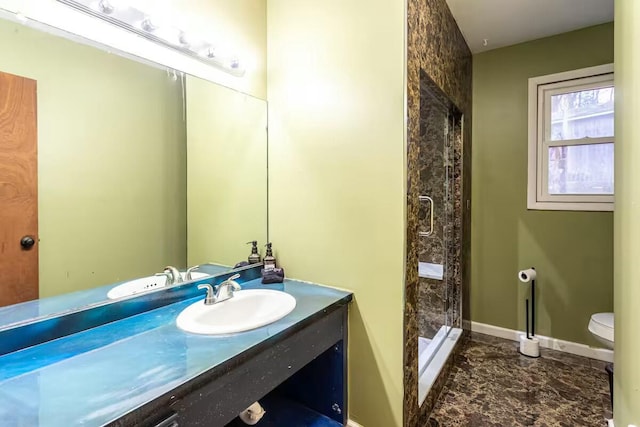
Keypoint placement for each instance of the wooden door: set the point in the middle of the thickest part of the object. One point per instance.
(18, 190)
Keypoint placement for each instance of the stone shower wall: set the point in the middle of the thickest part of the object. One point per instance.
(437, 50)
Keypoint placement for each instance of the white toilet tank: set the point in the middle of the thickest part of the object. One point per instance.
(601, 327)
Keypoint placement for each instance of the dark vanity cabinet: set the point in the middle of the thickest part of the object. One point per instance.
(299, 376)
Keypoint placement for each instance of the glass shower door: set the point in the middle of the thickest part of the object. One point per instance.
(436, 206)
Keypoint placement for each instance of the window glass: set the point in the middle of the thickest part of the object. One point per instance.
(585, 113)
(581, 169)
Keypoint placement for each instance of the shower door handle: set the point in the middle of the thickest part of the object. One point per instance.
(430, 232)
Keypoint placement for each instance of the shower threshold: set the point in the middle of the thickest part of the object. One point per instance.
(433, 355)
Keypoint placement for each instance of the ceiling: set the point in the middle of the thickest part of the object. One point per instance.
(508, 22)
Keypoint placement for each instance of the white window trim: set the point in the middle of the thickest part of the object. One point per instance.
(535, 179)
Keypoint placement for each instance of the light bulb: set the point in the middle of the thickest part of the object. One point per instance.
(209, 52)
(148, 25)
(109, 6)
(154, 22)
(184, 39)
(106, 7)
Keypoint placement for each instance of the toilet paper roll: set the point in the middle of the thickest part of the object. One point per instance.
(527, 275)
(252, 414)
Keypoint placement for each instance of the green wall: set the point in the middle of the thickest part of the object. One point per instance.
(573, 251)
(227, 173)
(337, 183)
(111, 161)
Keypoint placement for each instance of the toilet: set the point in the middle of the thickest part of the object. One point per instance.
(601, 327)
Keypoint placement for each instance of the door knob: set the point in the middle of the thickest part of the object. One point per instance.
(27, 242)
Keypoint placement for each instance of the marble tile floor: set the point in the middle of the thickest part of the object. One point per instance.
(491, 384)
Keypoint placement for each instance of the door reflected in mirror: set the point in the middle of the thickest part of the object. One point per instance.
(116, 169)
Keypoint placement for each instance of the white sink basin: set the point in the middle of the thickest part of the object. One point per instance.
(247, 310)
(146, 284)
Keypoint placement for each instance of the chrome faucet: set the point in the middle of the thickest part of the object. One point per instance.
(172, 274)
(223, 292)
(210, 298)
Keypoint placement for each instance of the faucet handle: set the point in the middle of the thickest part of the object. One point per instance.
(227, 288)
(189, 270)
(166, 276)
(174, 274)
(211, 296)
(231, 281)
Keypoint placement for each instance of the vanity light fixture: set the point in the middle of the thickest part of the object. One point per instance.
(125, 16)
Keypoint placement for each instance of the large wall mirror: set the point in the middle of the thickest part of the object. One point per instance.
(117, 168)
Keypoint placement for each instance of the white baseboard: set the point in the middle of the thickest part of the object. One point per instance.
(352, 423)
(546, 342)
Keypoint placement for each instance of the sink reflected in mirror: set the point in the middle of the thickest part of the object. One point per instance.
(246, 310)
(147, 284)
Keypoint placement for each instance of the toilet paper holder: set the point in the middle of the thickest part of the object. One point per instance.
(529, 344)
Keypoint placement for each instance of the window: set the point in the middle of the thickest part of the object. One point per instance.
(571, 140)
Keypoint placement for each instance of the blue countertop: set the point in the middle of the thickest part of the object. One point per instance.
(44, 307)
(96, 376)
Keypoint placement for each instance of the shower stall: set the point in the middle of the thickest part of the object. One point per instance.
(439, 226)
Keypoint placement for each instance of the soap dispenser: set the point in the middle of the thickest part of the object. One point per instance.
(269, 259)
(254, 257)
